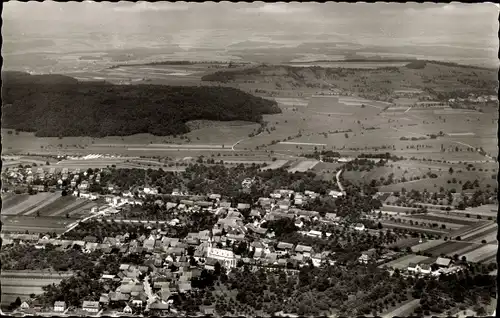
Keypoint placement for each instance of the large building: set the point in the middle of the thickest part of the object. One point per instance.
(224, 257)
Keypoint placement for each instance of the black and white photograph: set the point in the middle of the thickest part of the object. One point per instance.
(249, 159)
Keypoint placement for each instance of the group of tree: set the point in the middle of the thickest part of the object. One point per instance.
(203, 179)
(55, 107)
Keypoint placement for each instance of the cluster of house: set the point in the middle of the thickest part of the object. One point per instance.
(49, 178)
(442, 266)
(171, 263)
(59, 307)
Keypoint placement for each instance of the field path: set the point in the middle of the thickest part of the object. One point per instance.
(239, 141)
(337, 176)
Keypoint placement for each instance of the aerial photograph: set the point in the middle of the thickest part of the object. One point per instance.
(166, 159)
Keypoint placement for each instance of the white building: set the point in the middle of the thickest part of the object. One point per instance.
(335, 194)
(151, 191)
(225, 257)
(59, 306)
(91, 306)
(359, 227)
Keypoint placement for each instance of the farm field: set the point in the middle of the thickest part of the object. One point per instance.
(303, 166)
(448, 248)
(438, 216)
(441, 181)
(488, 232)
(483, 230)
(393, 225)
(59, 203)
(467, 249)
(403, 262)
(82, 209)
(21, 224)
(23, 283)
(70, 206)
(275, 165)
(27, 204)
(448, 225)
(489, 238)
(51, 199)
(404, 243)
(481, 253)
(342, 64)
(426, 245)
(13, 200)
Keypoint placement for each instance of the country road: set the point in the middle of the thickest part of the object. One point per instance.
(232, 147)
(337, 176)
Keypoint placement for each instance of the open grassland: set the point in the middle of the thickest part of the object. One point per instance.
(27, 204)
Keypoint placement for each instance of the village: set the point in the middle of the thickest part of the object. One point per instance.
(170, 264)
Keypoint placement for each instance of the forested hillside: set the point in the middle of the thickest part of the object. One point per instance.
(55, 105)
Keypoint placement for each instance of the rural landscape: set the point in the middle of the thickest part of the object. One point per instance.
(282, 175)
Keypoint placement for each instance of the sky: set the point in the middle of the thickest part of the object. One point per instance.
(469, 25)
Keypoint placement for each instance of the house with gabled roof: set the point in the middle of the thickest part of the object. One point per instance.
(425, 269)
(91, 306)
(127, 310)
(413, 267)
(306, 250)
(443, 262)
(59, 306)
(104, 299)
(284, 246)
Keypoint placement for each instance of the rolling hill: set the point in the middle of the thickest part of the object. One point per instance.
(438, 79)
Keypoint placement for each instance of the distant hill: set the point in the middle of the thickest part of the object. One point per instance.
(438, 79)
(56, 105)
